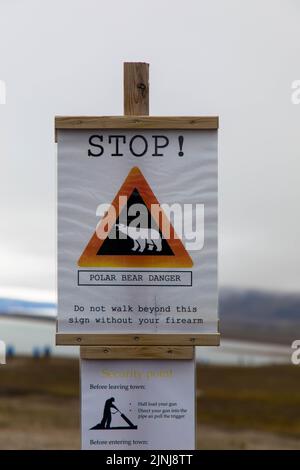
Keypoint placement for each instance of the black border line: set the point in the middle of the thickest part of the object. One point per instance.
(132, 271)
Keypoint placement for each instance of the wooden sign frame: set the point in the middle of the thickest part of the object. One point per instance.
(147, 339)
(136, 108)
(137, 352)
(136, 122)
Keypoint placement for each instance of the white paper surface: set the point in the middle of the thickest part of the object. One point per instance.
(156, 397)
(109, 298)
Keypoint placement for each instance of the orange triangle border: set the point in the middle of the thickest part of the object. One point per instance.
(180, 259)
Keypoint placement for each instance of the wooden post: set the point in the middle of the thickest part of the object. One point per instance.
(136, 89)
(136, 111)
(137, 346)
(136, 103)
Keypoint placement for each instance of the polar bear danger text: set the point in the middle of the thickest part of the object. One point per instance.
(136, 278)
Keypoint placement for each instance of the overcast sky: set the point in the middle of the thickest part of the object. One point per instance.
(236, 59)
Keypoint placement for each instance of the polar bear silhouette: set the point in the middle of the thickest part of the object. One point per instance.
(143, 238)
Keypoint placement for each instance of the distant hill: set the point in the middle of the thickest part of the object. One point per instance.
(259, 316)
(27, 309)
(12, 305)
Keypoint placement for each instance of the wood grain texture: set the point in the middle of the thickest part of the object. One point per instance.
(136, 88)
(137, 352)
(136, 339)
(137, 122)
(136, 108)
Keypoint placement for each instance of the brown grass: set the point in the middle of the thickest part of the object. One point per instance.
(39, 405)
(256, 398)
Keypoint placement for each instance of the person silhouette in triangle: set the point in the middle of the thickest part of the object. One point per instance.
(106, 420)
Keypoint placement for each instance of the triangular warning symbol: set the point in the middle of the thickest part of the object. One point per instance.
(134, 247)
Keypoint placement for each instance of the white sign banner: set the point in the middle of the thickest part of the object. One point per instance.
(134, 404)
(137, 231)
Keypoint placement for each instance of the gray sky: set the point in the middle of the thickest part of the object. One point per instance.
(231, 58)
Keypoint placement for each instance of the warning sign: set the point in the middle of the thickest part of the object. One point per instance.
(147, 240)
(137, 233)
(137, 405)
